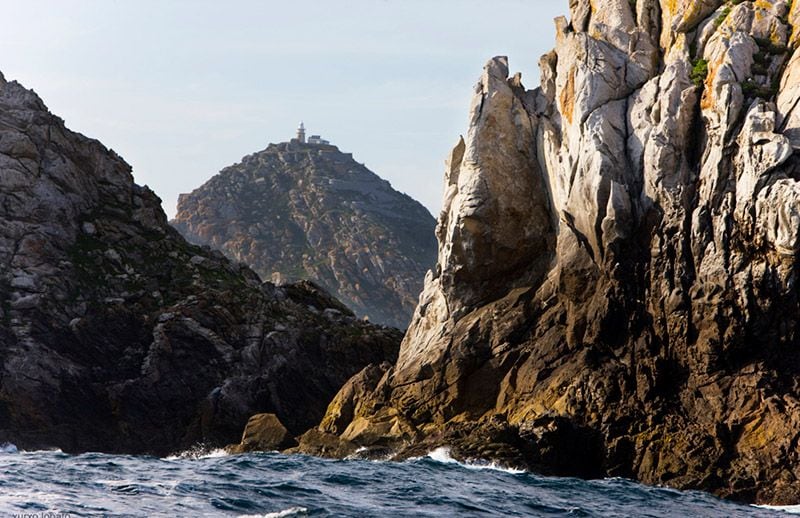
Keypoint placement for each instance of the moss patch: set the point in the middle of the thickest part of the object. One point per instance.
(699, 71)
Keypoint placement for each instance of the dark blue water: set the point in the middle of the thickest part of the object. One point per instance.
(272, 485)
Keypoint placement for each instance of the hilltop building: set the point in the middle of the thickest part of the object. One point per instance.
(313, 139)
(316, 139)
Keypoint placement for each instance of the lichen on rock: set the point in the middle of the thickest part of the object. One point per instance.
(651, 307)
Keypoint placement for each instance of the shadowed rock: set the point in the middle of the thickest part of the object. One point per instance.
(117, 335)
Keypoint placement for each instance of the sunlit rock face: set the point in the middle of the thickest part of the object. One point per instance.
(300, 211)
(616, 287)
(117, 335)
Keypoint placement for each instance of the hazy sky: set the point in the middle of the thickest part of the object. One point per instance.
(184, 88)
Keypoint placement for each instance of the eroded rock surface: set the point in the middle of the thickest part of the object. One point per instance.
(117, 335)
(617, 268)
(308, 211)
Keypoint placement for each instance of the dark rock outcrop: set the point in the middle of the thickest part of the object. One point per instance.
(618, 262)
(307, 211)
(117, 335)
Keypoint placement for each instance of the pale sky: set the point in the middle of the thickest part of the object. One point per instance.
(184, 88)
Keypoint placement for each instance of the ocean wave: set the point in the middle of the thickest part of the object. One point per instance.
(50, 451)
(139, 487)
(198, 452)
(7, 447)
(268, 485)
(442, 455)
(788, 509)
(292, 511)
(46, 498)
(364, 453)
(12, 449)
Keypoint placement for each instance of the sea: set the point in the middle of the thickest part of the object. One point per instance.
(52, 484)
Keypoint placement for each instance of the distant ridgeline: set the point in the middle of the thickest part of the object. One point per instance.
(304, 210)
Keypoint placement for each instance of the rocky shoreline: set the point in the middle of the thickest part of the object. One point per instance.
(116, 335)
(616, 289)
(615, 293)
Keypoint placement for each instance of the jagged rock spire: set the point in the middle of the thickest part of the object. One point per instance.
(650, 191)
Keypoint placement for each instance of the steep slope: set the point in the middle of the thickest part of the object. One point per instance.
(616, 293)
(117, 335)
(307, 211)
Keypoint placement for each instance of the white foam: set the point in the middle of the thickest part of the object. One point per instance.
(789, 509)
(34, 452)
(7, 447)
(292, 511)
(117, 483)
(442, 454)
(198, 453)
(357, 455)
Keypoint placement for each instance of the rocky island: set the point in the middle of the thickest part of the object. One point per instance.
(616, 291)
(303, 210)
(116, 335)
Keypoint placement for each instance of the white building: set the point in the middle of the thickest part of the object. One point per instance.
(313, 139)
(316, 139)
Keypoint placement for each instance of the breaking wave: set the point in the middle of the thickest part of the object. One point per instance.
(205, 482)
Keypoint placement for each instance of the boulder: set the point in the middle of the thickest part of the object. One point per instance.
(264, 432)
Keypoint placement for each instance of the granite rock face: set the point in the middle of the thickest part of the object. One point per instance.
(117, 335)
(616, 292)
(308, 211)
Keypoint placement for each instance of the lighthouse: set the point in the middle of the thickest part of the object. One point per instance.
(301, 133)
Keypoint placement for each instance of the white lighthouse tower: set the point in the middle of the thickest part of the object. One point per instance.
(301, 133)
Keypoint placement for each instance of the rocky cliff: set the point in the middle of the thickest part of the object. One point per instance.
(616, 291)
(117, 335)
(308, 211)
